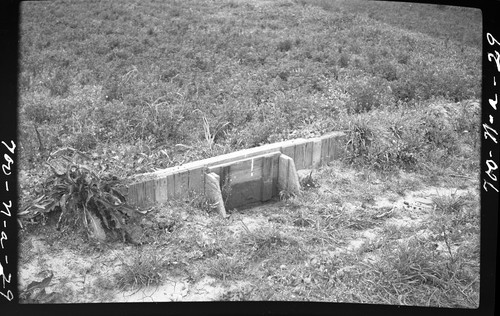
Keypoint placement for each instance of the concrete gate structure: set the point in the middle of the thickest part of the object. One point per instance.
(247, 176)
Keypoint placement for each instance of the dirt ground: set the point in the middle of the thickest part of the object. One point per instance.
(83, 270)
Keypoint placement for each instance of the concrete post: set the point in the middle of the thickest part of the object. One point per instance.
(213, 192)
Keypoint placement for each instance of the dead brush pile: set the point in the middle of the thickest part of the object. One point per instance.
(82, 198)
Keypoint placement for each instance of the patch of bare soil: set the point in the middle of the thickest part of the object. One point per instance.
(401, 217)
(82, 279)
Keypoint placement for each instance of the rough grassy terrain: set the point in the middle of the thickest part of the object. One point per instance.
(144, 85)
(347, 239)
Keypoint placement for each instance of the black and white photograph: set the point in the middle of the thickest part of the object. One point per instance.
(249, 150)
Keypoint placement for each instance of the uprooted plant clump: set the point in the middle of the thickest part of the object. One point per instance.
(82, 198)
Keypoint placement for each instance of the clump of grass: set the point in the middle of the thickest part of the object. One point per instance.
(385, 70)
(393, 231)
(308, 182)
(286, 194)
(59, 84)
(414, 273)
(225, 268)
(104, 283)
(145, 270)
(201, 202)
(211, 134)
(360, 138)
(39, 112)
(367, 94)
(265, 241)
(456, 218)
(413, 263)
(240, 294)
(450, 204)
(344, 60)
(402, 185)
(285, 45)
(360, 220)
(85, 141)
(438, 127)
(369, 246)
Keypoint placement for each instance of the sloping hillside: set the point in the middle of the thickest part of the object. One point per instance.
(136, 86)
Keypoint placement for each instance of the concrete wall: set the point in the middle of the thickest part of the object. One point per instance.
(251, 173)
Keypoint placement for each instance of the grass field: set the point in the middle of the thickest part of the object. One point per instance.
(145, 85)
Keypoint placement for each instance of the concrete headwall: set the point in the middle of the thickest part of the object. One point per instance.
(251, 173)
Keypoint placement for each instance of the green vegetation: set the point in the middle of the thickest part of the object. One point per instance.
(134, 79)
(136, 86)
(83, 199)
(328, 244)
(145, 270)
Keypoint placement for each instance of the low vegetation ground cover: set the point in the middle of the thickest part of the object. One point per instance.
(143, 85)
(352, 242)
